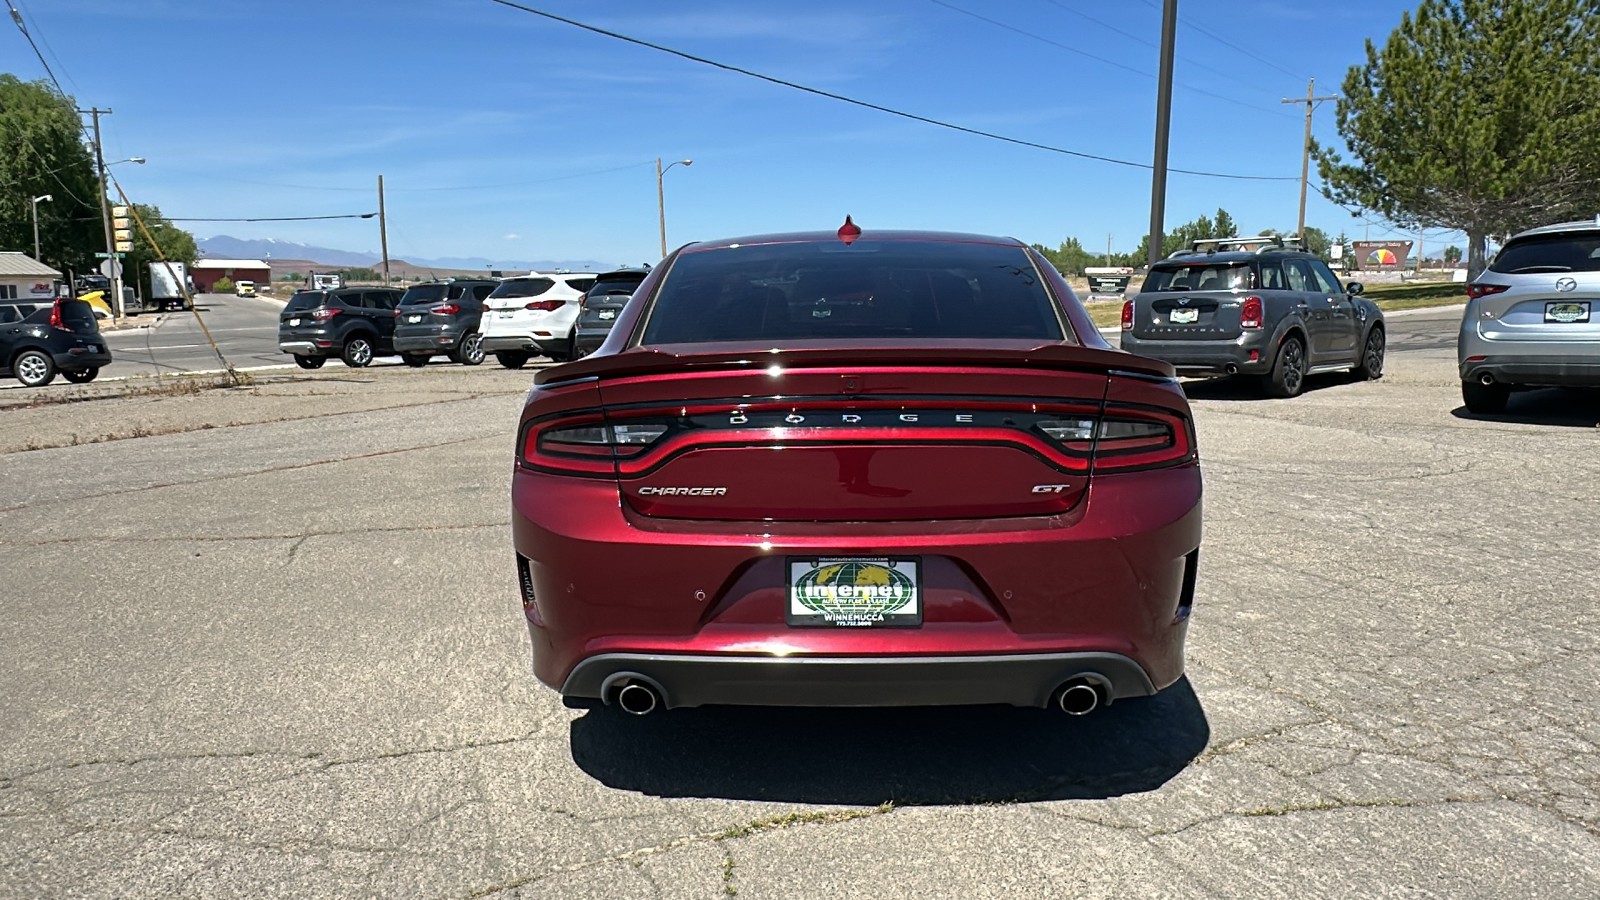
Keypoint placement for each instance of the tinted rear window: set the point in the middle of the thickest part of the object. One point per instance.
(522, 287)
(305, 300)
(77, 314)
(423, 293)
(580, 284)
(1199, 276)
(615, 284)
(1573, 252)
(869, 290)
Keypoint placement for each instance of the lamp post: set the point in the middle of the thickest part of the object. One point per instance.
(36, 224)
(661, 198)
(112, 262)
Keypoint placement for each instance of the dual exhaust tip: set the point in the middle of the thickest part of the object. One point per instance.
(1078, 696)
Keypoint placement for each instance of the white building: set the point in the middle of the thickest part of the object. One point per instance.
(24, 278)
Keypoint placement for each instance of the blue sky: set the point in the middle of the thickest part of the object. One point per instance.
(505, 135)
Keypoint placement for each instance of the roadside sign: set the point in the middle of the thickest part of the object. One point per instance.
(104, 255)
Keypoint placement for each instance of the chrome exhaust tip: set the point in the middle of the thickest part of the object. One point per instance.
(1231, 369)
(638, 699)
(1486, 379)
(1078, 697)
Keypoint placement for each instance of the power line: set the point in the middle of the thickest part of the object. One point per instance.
(1140, 40)
(16, 16)
(469, 187)
(279, 218)
(1100, 59)
(872, 106)
(1227, 43)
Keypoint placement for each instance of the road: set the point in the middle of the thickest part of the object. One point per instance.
(245, 330)
(266, 640)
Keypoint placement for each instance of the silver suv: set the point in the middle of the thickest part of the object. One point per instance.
(1254, 306)
(1531, 317)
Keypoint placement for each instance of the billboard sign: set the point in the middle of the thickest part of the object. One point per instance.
(1108, 281)
(1379, 256)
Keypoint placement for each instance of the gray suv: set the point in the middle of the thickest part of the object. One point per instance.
(1531, 316)
(1253, 306)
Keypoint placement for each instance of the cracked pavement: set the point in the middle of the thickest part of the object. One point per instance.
(274, 649)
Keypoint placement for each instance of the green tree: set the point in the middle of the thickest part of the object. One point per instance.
(42, 153)
(1224, 226)
(1070, 258)
(1452, 254)
(1475, 115)
(176, 245)
(1182, 236)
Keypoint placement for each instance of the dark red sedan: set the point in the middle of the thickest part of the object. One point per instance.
(856, 469)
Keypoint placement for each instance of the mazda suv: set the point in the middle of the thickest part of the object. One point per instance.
(856, 469)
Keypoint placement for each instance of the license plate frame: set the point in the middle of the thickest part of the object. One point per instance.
(294, 323)
(606, 314)
(882, 592)
(1184, 316)
(1568, 312)
(414, 318)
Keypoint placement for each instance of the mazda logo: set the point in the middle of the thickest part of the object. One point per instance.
(1566, 284)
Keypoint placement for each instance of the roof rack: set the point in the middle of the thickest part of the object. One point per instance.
(1265, 242)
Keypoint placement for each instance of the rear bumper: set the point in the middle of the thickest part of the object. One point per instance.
(1024, 679)
(1544, 371)
(493, 342)
(303, 348)
(433, 343)
(1220, 357)
(78, 358)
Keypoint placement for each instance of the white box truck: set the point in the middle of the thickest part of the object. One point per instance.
(167, 283)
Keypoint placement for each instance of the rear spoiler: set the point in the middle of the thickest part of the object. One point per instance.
(699, 357)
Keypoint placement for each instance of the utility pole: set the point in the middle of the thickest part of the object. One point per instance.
(105, 212)
(1305, 157)
(1158, 180)
(1108, 249)
(383, 232)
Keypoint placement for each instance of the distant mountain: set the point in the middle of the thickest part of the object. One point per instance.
(225, 247)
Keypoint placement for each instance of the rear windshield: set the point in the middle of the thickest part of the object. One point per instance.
(522, 287)
(1199, 276)
(618, 284)
(77, 314)
(1574, 252)
(580, 284)
(424, 293)
(305, 300)
(868, 290)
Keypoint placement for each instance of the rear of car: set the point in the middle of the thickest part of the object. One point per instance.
(1195, 314)
(600, 305)
(441, 318)
(39, 340)
(1531, 317)
(244, 289)
(533, 315)
(902, 469)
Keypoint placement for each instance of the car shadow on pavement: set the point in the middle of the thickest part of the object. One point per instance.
(906, 756)
(1246, 387)
(1568, 407)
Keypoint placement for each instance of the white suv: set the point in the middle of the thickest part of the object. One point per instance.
(532, 314)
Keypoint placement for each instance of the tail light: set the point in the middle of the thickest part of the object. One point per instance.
(323, 314)
(586, 444)
(56, 320)
(583, 300)
(1251, 314)
(446, 309)
(1124, 440)
(1484, 289)
(1127, 315)
(545, 305)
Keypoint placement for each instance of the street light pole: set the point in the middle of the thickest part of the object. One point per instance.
(105, 213)
(661, 199)
(36, 254)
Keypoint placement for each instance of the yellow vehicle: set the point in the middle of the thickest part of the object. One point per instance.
(97, 302)
(244, 289)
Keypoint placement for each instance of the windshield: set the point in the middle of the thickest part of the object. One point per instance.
(1571, 252)
(522, 287)
(868, 290)
(1199, 276)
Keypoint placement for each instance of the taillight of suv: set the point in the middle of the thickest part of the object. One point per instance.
(1251, 314)
(56, 320)
(446, 309)
(545, 305)
(1127, 315)
(1484, 289)
(324, 313)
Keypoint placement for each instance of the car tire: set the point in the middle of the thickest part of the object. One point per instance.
(469, 351)
(81, 376)
(1370, 365)
(310, 362)
(34, 368)
(1485, 399)
(416, 360)
(357, 352)
(512, 359)
(1288, 375)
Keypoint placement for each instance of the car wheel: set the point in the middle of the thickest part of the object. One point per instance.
(416, 360)
(82, 376)
(512, 359)
(1288, 374)
(1485, 399)
(34, 368)
(1370, 365)
(357, 352)
(310, 362)
(470, 351)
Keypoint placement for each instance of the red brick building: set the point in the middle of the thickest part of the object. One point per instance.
(207, 272)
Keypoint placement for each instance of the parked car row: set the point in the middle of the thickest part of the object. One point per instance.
(514, 318)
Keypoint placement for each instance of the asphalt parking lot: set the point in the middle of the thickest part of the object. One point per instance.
(266, 641)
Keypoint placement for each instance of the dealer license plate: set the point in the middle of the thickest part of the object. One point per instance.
(608, 314)
(505, 315)
(1185, 316)
(854, 592)
(1570, 311)
(293, 322)
(413, 318)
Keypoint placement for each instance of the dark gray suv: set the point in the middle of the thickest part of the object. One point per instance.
(354, 324)
(1253, 306)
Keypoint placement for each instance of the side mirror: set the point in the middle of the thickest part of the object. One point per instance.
(1354, 287)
